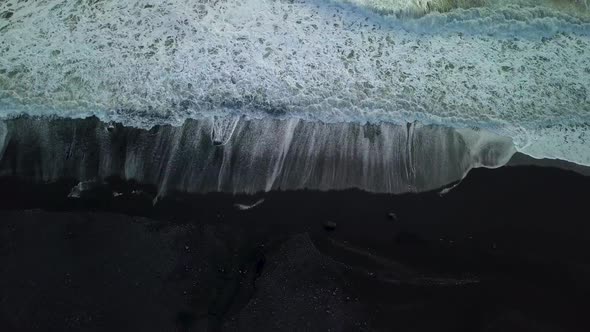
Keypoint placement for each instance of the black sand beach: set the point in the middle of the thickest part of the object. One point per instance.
(281, 165)
(505, 250)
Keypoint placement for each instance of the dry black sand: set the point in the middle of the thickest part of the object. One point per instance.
(506, 250)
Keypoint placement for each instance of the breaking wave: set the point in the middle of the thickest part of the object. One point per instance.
(520, 69)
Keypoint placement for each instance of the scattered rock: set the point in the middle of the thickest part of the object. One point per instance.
(392, 216)
(329, 225)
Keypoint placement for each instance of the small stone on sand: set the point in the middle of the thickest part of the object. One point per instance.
(329, 225)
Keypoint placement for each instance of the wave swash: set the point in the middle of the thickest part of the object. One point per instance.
(519, 69)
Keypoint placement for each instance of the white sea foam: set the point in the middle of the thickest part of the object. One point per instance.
(243, 207)
(518, 68)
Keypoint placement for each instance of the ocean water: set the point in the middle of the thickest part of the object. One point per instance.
(519, 69)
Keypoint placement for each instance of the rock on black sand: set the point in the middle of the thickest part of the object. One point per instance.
(329, 225)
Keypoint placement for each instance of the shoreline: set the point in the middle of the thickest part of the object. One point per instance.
(456, 248)
(521, 159)
(237, 155)
(468, 149)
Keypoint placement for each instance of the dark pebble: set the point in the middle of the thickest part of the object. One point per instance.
(392, 216)
(329, 225)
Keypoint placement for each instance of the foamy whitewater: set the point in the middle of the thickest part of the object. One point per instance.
(519, 69)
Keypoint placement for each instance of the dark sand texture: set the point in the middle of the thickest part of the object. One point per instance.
(506, 250)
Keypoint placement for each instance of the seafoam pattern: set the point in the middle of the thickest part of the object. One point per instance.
(421, 7)
(520, 69)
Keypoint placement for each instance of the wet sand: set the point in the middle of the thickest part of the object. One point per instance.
(505, 250)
